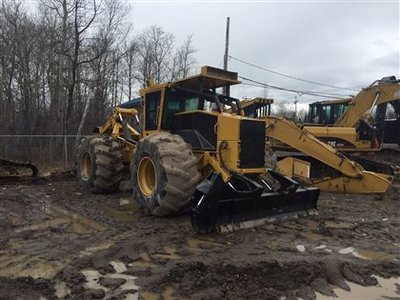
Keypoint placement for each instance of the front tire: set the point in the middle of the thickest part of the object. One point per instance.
(100, 164)
(164, 174)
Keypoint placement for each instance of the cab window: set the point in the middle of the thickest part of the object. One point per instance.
(326, 114)
(152, 103)
(175, 102)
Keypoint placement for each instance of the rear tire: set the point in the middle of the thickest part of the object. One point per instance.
(164, 174)
(100, 164)
(270, 159)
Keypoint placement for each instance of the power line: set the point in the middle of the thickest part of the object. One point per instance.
(289, 76)
(41, 135)
(297, 92)
(324, 95)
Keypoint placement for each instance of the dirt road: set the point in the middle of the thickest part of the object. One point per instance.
(57, 241)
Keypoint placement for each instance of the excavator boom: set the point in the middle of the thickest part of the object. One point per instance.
(365, 100)
(342, 174)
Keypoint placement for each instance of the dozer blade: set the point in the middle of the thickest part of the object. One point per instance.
(223, 207)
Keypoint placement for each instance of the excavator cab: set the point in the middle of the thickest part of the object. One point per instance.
(326, 112)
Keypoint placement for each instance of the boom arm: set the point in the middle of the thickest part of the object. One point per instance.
(366, 100)
(354, 177)
(289, 133)
(116, 125)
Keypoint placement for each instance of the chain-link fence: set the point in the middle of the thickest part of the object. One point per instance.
(41, 150)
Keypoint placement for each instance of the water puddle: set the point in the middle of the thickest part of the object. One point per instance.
(312, 236)
(301, 248)
(77, 223)
(386, 289)
(44, 225)
(376, 255)
(91, 250)
(320, 247)
(367, 254)
(93, 281)
(62, 290)
(125, 214)
(341, 225)
(144, 261)
(170, 253)
(351, 250)
(118, 266)
(25, 266)
(197, 244)
(167, 294)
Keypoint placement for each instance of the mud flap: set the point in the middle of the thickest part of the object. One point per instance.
(244, 203)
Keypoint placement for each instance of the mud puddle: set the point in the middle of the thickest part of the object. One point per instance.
(25, 266)
(386, 289)
(76, 223)
(167, 294)
(124, 212)
(103, 246)
(62, 289)
(368, 254)
(112, 285)
(25, 254)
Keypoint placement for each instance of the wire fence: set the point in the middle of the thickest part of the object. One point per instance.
(41, 150)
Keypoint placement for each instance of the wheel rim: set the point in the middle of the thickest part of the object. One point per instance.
(146, 176)
(86, 166)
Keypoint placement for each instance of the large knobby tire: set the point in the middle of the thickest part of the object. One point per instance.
(270, 163)
(164, 174)
(100, 164)
(270, 159)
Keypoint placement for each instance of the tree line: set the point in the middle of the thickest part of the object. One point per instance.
(74, 53)
(65, 65)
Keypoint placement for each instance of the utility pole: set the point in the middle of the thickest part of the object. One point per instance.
(295, 107)
(226, 89)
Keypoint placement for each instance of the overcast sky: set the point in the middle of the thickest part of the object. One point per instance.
(340, 43)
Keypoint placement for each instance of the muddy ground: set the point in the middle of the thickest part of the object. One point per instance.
(57, 241)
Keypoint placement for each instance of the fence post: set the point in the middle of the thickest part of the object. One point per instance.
(66, 152)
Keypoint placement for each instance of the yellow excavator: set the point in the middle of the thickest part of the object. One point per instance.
(188, 154)
(348, 124)
(303, 156)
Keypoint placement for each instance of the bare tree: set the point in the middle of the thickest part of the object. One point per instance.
(183, 61)
(63, 69)
(154, 50)
(130, 57)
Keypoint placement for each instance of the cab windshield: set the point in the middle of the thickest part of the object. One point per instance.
(182, 100)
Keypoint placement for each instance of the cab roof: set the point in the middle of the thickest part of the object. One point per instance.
(209, 78)
(327, 102)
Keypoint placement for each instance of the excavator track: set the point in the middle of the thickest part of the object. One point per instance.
(14, 172)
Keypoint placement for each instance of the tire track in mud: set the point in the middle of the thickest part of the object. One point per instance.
(291, 259)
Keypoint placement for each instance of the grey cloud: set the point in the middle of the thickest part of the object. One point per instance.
(338, 43)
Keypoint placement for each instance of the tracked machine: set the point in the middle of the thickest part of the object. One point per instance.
(358, 124)
(12, 172)
(189, 154)
(367, 124)
(299, 154)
